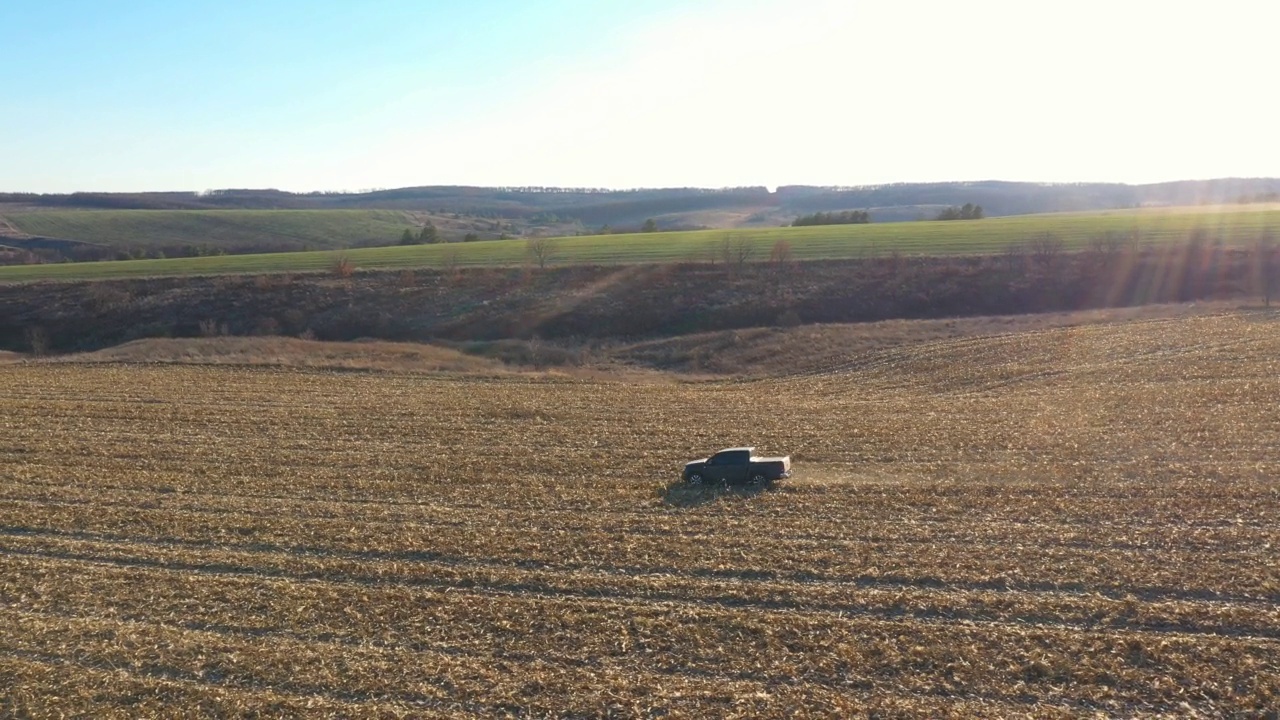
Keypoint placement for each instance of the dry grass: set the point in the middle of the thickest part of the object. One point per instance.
(287, 352)
(9, 357)
(1066, 522)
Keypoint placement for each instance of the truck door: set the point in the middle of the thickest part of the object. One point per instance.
(715, 467)
(731, 467)
(737, 467)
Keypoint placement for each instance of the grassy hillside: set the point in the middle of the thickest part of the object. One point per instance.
(580, 306)
(1232, 225)
(228, 229)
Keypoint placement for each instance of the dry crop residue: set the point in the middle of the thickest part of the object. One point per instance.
(1073, 522)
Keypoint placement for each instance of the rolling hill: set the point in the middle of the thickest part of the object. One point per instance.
(1233, 225)
(673, 207)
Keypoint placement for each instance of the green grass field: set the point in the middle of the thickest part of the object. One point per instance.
(318, 229)
(1234, 225)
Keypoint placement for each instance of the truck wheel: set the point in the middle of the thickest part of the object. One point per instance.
(695, 479)
(759, 479)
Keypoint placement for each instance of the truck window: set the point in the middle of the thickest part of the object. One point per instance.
(737, 457)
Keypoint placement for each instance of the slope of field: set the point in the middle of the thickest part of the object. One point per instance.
(809, 349)
(291, 352)
(1071, 522)
(1232, 225)
(226, 229)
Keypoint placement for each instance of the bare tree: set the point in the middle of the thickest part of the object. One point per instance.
(1015, 256)
(37, 340)
(541, 250)
(743, 250)
(1108, 245)
(1046, 249)
(895, 261)
(736, 252)
(450, 261)
(1268, 267)
(724, 250)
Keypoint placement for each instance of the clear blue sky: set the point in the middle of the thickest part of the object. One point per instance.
(323, 95)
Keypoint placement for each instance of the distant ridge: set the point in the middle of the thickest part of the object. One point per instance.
(897, 201)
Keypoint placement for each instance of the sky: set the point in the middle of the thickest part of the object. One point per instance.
(302, 95)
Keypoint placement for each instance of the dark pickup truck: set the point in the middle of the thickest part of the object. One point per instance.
(737, 465)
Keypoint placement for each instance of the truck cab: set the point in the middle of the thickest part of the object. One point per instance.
(737, 465)
(731, 465)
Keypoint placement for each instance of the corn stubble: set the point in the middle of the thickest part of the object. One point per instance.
(1071, 522)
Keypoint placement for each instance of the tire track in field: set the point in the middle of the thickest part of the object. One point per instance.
(308, 653)
(1050, 637)
(648, 673)
(700, 593)
(131, 683)
(921, 534)
(115, 674)
(810, 515)
(453, 558)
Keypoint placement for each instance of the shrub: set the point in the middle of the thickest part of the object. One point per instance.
(210, 328)
(266, 326)
(37, 341)
(780, 254)
(450, 264)
(107, 296)
(293, 321)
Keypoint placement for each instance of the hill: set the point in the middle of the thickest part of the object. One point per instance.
(581, 305)
(115, 234)
(677, 208)
(1232, 225)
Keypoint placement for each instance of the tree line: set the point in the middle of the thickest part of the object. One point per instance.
(968, 211)
(847, 217)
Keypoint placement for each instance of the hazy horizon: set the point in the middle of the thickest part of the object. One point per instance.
(325, 96)
(770, 188)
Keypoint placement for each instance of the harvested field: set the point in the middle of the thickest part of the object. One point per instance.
(1065, 522)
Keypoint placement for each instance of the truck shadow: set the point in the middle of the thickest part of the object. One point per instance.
(682, 494)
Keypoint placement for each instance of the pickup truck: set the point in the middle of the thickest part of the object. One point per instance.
(737, 465)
